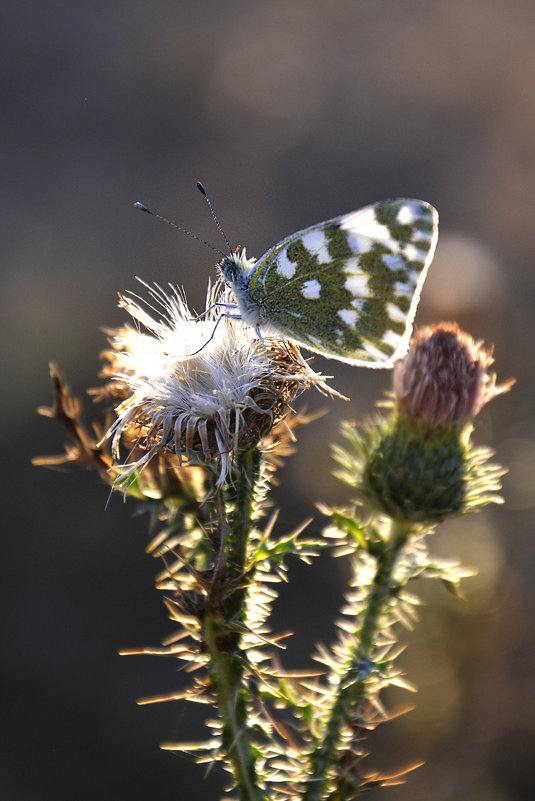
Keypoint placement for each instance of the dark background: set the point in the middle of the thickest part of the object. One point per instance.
(290, 112)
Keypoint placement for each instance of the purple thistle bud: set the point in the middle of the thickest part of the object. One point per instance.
(443, 380)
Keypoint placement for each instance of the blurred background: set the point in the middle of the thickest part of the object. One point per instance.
(290, 113)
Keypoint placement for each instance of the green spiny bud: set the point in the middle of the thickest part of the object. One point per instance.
(419, 467)
(416, 474)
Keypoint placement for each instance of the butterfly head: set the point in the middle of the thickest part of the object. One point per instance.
(236, 269)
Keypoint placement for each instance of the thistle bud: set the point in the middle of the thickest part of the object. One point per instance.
(443, 380)
(419, 466)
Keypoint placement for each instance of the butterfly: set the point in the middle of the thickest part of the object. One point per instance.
(347, 288)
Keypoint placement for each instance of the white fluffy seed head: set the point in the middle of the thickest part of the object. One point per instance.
(199, 388)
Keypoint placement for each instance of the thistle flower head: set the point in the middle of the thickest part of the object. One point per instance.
(201, 389)
(418, 466)
(443, 379)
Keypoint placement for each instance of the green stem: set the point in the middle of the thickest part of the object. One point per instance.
(226, 673)
(222, 637)
(351, 690)
(245, 476)
(246, 473)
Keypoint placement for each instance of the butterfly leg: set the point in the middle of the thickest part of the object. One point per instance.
(234, 317)
(213, 306)
(212, 335)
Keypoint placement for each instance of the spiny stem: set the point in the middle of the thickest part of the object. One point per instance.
(351, 689)
(222, 638)
(226, 674)
(246, 474)
(221, 561)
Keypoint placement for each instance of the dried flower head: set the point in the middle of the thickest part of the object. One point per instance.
(202, 388)
(443, 379)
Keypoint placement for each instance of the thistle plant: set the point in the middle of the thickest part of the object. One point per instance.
(198, 417)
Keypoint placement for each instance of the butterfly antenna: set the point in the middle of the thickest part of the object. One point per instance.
(202, 190)
(141, 207)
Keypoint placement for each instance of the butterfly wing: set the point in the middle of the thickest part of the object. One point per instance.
(349, 287)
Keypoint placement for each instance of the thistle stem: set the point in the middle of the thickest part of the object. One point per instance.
(222, 637)
(351, 689)
(226, 674)
(246, 473)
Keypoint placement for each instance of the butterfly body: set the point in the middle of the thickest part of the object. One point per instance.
(347, 288)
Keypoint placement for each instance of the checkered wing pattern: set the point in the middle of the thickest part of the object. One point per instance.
(349, 287)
